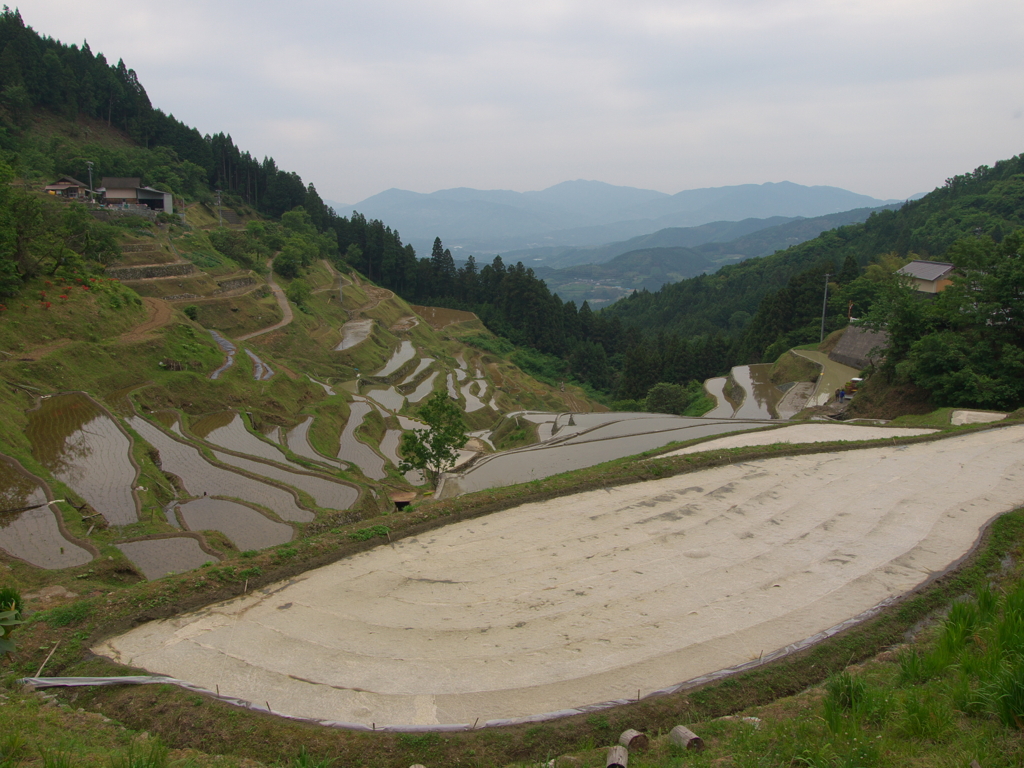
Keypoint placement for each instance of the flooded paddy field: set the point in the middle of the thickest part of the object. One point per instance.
(170, 554)
(614, 440)
(260, 370)
(200, 477)
(424, 389)
(229, 349)
(244, 526)
(297, 440)
(761, 397)
(420, 367)
(405, 352)
(716, 388)
(227, 429)
(354, 450)
(390, 398)
(85, 449)
(593, 597)
(354, 332)
(328, 494)
(29, 528)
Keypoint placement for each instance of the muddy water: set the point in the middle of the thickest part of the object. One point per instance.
(716, 388)
(354, 332)
(612, 441)
(228, 348)
(760, 396)
(32, 534)
(260, 370)
(298, 440)
(390, 398)
(227, 430)
(83, 447)
(405, 352)
(357, 452)
(157, 558)
(247, 528)
(325, 493)
(424, 389)
(198, 476)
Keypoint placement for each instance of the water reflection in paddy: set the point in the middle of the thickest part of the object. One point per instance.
(244, 526)
(357, 452)
(75, 439)
(716, 388)
(325, 493)
(612, 441)
(228, 348)
(354, 332)
(424, 389)
(405, 352)
(158, 557)
(298, 440)
(390, 398)
(198, 476)
(260, 370)
(33, 535)
(761, 397)
(227, 430)
(422, 366)
(453, 391)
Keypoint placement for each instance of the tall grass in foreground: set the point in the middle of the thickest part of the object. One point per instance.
(955, 697)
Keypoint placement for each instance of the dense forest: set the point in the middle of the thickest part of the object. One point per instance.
(684, 332)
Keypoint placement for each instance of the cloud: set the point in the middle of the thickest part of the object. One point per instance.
(885, 98)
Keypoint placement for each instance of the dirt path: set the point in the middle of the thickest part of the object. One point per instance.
(159, 315)
(282, 302)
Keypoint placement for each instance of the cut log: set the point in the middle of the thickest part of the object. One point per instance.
(617, 757)
(633, 740)
(685, 738)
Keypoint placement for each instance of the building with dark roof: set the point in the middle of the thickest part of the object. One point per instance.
(928, 276)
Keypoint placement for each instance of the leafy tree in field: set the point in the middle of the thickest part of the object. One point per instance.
(671, 398)
(435, 450)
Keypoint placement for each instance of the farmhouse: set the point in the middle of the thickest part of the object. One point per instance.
(928, 276)
(129, 191)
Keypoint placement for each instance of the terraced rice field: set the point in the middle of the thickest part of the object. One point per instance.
(199, 477)
(326, 493)
(354, 450)
(32, 535)
(172, 554)
(85, 449)
(247, 528)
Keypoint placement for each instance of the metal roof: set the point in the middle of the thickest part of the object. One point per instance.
(927, 270)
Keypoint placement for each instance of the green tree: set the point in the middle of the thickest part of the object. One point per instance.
(435, 450)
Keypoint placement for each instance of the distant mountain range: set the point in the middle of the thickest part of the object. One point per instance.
(585, 213)
(606, 273)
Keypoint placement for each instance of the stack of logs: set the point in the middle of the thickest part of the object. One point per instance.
(634, 740)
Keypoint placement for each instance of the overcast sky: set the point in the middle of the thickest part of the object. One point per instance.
(881, 97)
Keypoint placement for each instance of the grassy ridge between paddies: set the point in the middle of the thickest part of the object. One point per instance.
(184, 721)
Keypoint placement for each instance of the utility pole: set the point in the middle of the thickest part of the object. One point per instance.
(89, 163)
(219, 222)
(824, 303)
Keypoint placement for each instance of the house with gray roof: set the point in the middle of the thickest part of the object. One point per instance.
(928, 276)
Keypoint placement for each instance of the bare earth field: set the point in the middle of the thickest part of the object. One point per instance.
(596, 596)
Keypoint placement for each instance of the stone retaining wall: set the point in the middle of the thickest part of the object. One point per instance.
(149, 271)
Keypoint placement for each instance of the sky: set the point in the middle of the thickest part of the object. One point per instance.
(882, 97)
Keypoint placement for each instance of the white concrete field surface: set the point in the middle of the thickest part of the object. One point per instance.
(592, 597)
